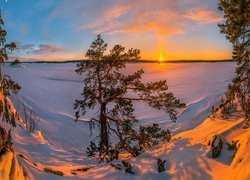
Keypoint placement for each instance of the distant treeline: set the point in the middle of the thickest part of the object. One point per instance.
(138, 61)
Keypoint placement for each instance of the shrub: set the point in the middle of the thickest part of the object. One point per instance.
(161, 164)
(31, 118)
(15, 63)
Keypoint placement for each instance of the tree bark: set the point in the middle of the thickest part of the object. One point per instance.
(104, 136)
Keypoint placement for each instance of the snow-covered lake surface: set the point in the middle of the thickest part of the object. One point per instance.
(52, 89)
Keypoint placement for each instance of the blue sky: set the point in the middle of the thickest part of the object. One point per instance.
(64, 29)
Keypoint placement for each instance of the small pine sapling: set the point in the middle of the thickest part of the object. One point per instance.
(161, 164)
(128, 167)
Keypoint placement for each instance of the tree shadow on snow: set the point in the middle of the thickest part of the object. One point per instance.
(188, 160)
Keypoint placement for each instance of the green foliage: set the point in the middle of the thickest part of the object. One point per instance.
(7, 85)
(15, 63)
(4, 47)
(236, 27)
(106, 87)
(92, 149)
(227, 108)
(132, 141)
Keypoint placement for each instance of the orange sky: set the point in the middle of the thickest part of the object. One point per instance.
(63, 30)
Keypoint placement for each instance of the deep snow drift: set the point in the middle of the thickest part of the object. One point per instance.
(60, 142)
(9, 166)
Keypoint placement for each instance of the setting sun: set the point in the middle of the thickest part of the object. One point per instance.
(159, 89)
(161, 59)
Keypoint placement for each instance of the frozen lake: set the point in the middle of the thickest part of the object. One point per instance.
(52, 89)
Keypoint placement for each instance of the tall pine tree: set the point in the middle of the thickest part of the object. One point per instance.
(236, 27)
(7, 85)
(113, 93)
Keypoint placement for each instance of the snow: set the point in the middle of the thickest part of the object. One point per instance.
(5, 165)
(10, 168)
(60, 143)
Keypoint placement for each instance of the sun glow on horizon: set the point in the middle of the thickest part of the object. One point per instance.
(161, 45)
(161, 56)
(161, 59)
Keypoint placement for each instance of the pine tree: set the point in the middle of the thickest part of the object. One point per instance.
(106, 87)
(237, 29)
(7, 85)
(16, 63)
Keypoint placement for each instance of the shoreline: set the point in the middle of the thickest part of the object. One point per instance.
(133, 62)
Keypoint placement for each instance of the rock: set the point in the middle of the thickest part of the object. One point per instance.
(82, 169)
(216, 146)
(59, 173)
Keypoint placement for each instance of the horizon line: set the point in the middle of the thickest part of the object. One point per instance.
(134, 61)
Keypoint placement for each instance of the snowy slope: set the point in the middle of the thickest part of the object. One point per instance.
(9, 165)
(52, 89)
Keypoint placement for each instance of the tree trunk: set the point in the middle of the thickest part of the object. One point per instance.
(104, 137)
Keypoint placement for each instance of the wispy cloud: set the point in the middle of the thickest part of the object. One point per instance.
(203, 15)
(47, 49)
(38, 50)
(61, 29)
(24, 48)
(162, 17)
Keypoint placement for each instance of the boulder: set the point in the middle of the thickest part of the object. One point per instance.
(216, 146)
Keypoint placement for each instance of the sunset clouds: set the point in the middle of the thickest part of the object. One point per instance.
(174, 29)
(204, 15)
(46, 51)
(163, 17)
